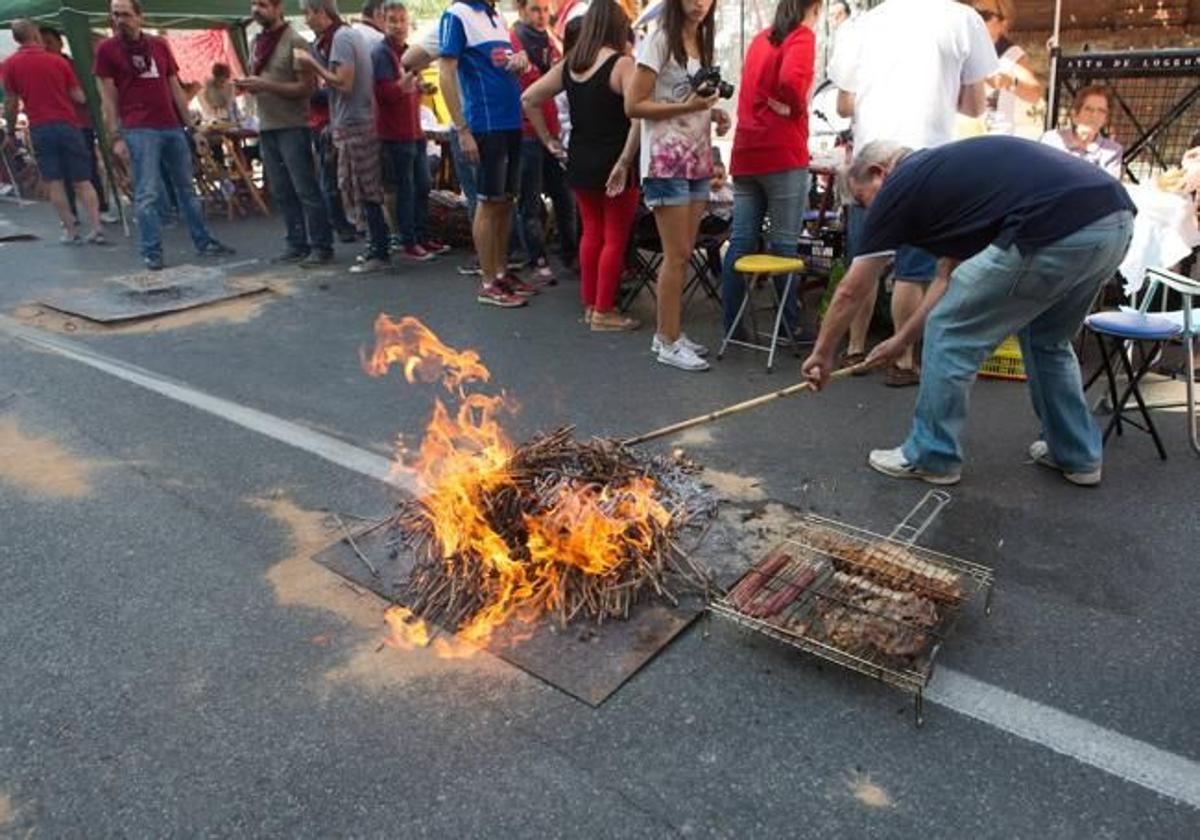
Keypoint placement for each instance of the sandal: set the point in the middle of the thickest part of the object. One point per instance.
(853, 360)
(586, 317)
(900, 377)
(612, 322)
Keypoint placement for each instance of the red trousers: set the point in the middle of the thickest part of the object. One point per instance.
(607, 223)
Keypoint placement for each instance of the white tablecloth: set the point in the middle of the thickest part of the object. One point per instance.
(1164, 233)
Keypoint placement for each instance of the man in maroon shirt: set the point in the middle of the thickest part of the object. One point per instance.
(398, 123)
(145, 111)
(50, 90)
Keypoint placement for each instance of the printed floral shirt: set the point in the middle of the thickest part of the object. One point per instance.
(679, 147)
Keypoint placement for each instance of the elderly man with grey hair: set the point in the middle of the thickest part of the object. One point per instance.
(1025, 238)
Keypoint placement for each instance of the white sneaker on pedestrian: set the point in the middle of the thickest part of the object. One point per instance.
(681, 356)
(108, 217)
(658, 342)
(1039, 451)
(891, 462)
(370, 265)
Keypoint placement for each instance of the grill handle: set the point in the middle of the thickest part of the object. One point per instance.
(920, 517)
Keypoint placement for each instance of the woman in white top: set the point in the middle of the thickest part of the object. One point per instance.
(676, 157)
(1083, 138)
(1016, 80)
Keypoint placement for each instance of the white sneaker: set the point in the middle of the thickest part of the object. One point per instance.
(1039, 451)
(681, 356)
(108, 217)
(657, 344)
(891, 462)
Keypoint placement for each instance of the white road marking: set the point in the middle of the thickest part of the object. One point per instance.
(293, 434)
(1133, 761)
(1126, 758)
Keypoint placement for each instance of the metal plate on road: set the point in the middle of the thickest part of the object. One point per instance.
(12, 233)
(150, 293)
(585, 660)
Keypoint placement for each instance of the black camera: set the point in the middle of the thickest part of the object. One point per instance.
(707, 81)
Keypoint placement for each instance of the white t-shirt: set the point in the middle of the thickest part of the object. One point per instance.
(679, 147)
(905, 62)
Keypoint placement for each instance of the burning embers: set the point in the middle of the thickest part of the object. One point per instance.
(553, 527)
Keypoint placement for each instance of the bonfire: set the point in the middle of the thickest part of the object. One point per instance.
(575, 530)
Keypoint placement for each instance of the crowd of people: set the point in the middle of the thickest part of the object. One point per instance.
(572, 108)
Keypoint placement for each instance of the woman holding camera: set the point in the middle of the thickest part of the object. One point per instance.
(769, 163)
(677, 113)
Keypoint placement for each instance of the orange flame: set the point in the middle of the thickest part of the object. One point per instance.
(464, 456)
(423, 354)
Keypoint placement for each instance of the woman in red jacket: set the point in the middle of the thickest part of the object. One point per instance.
(769, 163)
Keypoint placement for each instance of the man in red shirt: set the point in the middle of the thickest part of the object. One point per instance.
(145, 111)
(50, 90)
(398, 123)
(53, 42)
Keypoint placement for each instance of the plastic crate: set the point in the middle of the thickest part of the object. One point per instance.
(1006, 362)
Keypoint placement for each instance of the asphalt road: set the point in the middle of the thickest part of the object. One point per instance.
(174, 664)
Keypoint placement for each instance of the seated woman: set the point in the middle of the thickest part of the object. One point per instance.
(1083, 138)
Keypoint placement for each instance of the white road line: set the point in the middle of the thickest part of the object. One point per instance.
(293, 434)
(1133, 761)
(1126, 758)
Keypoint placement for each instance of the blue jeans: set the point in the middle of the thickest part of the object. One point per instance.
(411, 171)
(1043, 297)
(159, 154)
(782, 196)
(468, 175)
(292, 177)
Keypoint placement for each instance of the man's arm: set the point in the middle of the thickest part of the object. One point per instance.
(448, 80)
(415, 59)
(301, 88)
(853, 289)
(914, 327)
(845, 103)
(111, 117)
(341, 77)
(972, 99)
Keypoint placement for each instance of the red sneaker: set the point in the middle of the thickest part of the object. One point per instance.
(417, 253)
(494, 294)
(435, 246)
(514, 284)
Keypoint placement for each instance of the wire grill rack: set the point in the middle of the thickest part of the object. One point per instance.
(875, 604)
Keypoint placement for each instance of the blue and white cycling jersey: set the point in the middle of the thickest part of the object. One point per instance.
(473, 32)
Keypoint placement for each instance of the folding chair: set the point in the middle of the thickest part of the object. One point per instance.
(645, 255)
(768, 266)
(1134, 329)
(1189, 328)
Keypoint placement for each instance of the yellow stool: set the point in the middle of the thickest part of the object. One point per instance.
(753, 266)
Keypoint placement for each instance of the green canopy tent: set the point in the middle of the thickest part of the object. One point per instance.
(77, 19)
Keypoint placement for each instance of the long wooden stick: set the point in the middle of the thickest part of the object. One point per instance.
(738, 408)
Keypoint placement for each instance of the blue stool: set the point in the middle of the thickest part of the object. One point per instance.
(1148, 333)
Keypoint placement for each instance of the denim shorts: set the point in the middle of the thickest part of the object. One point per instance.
(61, 153)
(675, 192)
(916, 265)
(499, 165)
